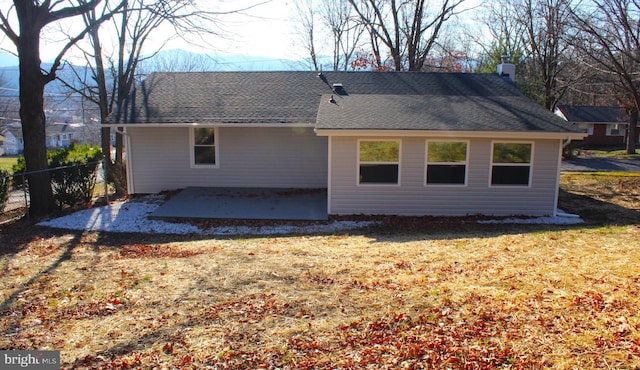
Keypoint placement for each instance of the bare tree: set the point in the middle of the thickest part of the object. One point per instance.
(346, 33)
(609, 40)
(547, 24)
(114, 74)
(23, 23)
(328, 27)
(306, 14)
(507, 35)
(534, 34)
(409, 29)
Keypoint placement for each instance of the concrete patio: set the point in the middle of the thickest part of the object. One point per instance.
(246, 203)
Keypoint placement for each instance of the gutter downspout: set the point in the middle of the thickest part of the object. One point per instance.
(565, 143)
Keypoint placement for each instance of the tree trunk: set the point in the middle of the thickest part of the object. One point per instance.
(631, 134)
(119, 148)
(116, 173)
(33, 119)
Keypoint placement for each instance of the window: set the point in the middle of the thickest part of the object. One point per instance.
(204, 146)
(614, 130)
(446, 162)
(589, 129)
(511, 164)
(379, 162)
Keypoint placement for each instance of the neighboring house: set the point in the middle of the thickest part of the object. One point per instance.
(59, 135)
(605, 126)
(396, 143)
(13, 143)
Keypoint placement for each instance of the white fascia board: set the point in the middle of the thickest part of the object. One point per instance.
(560, 114)
(455, 134)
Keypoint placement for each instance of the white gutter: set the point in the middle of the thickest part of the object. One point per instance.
(529, 135)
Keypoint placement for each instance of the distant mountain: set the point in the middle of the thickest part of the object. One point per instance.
(10, 75)
(177, 60)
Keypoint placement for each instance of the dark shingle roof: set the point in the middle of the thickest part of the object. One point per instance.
(593, 114)
(370, 100)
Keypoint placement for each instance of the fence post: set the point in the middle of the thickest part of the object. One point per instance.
(24, 191)
(104, 178)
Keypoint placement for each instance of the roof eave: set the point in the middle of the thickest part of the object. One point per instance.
(454, 134)
(207, 124)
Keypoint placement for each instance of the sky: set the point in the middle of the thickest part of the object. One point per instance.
(264, 30)
(267, 30)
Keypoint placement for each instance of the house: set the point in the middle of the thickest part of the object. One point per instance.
(58, 135)
(604, 125)
(394, 143)
(13, 144)
(61, 135)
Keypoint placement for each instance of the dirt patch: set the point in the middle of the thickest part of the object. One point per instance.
(601, 198)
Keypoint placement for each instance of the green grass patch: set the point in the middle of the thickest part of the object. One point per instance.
(6, 163)
(616, 154)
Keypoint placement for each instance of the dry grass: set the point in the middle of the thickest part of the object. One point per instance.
(419, 297)
(602, 197)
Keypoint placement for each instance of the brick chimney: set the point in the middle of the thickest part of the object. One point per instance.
(506, 69)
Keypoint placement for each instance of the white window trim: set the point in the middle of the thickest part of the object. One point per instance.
(590, 129)
(399, 141)
(466, 164)
(530, 164)
(216, 146)
(621, 129)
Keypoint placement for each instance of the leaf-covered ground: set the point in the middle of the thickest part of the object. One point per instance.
(415, 294)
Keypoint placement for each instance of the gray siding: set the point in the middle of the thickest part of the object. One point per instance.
(248, 157)
(412, 197)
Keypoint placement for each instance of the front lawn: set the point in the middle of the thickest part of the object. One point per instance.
(419, 293)
(613, 153)
(6, 163)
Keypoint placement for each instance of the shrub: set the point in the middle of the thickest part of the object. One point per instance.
(73, 183)
(19, 168)
(5, 187)
(571, 151)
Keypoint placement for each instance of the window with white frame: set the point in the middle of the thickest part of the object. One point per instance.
(446, 162)
(379, 161)
(589, 129)
(204, 146)
(511, 163)
(614, 130)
